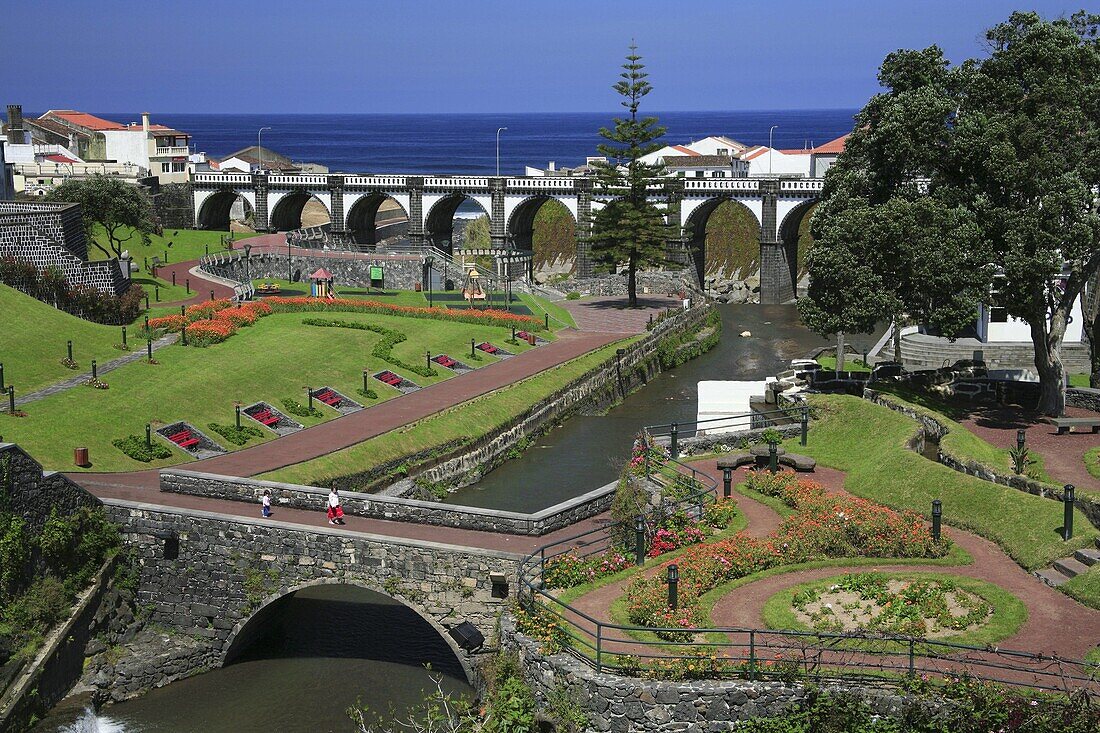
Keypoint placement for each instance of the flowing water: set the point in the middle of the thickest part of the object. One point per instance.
(321, 650)
(585, 452)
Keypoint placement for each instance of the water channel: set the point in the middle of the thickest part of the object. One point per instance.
(331, 645)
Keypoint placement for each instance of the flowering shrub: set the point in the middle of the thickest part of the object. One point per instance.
(489, 316)
(204, 333)
(568, 570)
(167, 324)
(823, 526)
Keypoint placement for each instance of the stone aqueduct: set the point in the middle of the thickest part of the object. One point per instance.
(430, 202)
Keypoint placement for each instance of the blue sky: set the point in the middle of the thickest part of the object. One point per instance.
(473, 56)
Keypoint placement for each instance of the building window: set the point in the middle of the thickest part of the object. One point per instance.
(165, 167)
(998, 315)
(723, 151)
(719, 174)
(698, 174)
(179, 167)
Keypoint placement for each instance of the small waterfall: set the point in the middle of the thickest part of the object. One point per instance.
(89, 722)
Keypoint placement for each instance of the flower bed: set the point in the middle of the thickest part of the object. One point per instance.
(214, 321)
(877, 602)
(822, 526)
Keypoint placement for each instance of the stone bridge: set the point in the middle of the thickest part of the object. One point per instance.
(215, 575)
(429, 203)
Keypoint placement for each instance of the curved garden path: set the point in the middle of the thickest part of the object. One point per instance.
(1056, 624)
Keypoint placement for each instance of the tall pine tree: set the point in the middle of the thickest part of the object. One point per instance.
(629, 229)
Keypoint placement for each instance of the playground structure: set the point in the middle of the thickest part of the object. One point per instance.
(321, 284)
(472, 289)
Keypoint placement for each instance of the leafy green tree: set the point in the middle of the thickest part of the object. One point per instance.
(1026, 160)
(475, 235)
(122, 210)
(887, 242)
(629, 228)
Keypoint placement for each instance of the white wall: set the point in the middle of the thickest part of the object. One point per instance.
(780, 164)
(128, 146)
(1018, 330)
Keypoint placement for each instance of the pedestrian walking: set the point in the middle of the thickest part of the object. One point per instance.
(265, 500)
(335, 511)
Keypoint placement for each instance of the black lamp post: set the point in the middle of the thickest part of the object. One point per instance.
(1021, 439)
(773, 456)
(674, 441)
(1067, 512)
(428, 264)
(937, 512)
(238, 417)
(727, 482)
(247, 263)
(289, 271)
(148, 435)
(639, 540)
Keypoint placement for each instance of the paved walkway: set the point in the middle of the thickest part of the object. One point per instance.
(612, 314)
(1056, 623)
(1063, 455)
(101, 369)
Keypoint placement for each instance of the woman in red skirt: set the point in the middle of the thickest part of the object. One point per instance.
(335, 511)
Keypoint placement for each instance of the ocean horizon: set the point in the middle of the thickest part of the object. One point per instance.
(465, 143)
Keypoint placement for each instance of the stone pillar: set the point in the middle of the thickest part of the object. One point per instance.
(676, 251)
(415, 185)
(259, 185)
(775, 271)
(583, 187)
(498, 227)
(336, 192)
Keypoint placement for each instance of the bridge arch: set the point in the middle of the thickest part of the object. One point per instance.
(237, 641)
(557, 247)
(734, 259)
(439, 220)
(287, 213)
(364, 223)
(215, 211)
(797, 242)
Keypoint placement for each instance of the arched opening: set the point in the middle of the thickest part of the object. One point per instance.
(546, 228)
(457, 222)
(377, 219)
(794, 232)
(723, 237)
(345, 621)
(221, 210)
(297, 210)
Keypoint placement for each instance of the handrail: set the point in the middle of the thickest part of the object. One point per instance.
(669, 428)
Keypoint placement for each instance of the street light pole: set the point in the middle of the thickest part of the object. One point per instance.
(499, 130)
(260, 150)
(771, 150)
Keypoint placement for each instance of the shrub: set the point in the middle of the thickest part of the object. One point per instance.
(569, 569)
(235, 435)
(134, 446)
(573, 296)
(50, 286)
(294, 407)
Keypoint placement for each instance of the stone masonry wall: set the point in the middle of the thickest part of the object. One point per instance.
(349, 269)
(631, 705)
(1084, 398)
(659, 282)
(204, 575)
(33, 493)
(52, 235)
(392, 508)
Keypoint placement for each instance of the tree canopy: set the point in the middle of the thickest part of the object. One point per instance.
(123, 211)
(629, 228)
(969, 184)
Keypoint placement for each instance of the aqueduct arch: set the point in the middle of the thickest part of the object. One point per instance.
(439, 220)
(796, 242)
(521, 229)
(216, 209)
(744, 256)
(367, 224)
(287, 214)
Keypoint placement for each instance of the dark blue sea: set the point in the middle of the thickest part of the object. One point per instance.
(466, 143)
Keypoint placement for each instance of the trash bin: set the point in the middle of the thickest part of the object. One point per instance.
(80, 457)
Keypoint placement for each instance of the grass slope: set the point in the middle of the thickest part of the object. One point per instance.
(181, 245)
(467, 420)
(32, 342)
(868, 442)
(274, 359)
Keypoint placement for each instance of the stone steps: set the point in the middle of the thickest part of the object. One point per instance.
(1061, 571)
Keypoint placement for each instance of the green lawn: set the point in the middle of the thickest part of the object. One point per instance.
(960, 442)
(1086, 588)
(462, 422)
(186, 244)
(1092, 461)
(274, 359)
(868, 442)
(168, 292)
(1079, 380)
(32, 343)
(851, 363)
(559, 317)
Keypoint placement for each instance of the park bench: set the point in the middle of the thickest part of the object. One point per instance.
(265, 417)
(445, 361)
(389, 378)
(758, 455)
(1065, 423)
(488, 348)
(184, 439)
(329, 397)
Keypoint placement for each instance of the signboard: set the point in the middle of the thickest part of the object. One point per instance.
(375, 272)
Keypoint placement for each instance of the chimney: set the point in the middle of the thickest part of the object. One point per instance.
(15, 124)
(553, 166)
(145, 122)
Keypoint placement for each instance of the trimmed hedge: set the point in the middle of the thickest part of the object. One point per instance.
(383, 349)
(235, 435)
(294, 407)
(134, 446)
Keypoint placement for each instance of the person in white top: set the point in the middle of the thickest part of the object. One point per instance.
(335, 511)
(266, 501)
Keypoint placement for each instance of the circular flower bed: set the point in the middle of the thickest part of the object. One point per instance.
(925, 605)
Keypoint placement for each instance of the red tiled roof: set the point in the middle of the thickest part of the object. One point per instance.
(685, 151)
(58, 158)
(755, 153)
(85, 120)
(833, 146)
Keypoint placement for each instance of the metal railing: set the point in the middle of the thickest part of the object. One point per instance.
(761, 654)
(750, 420)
